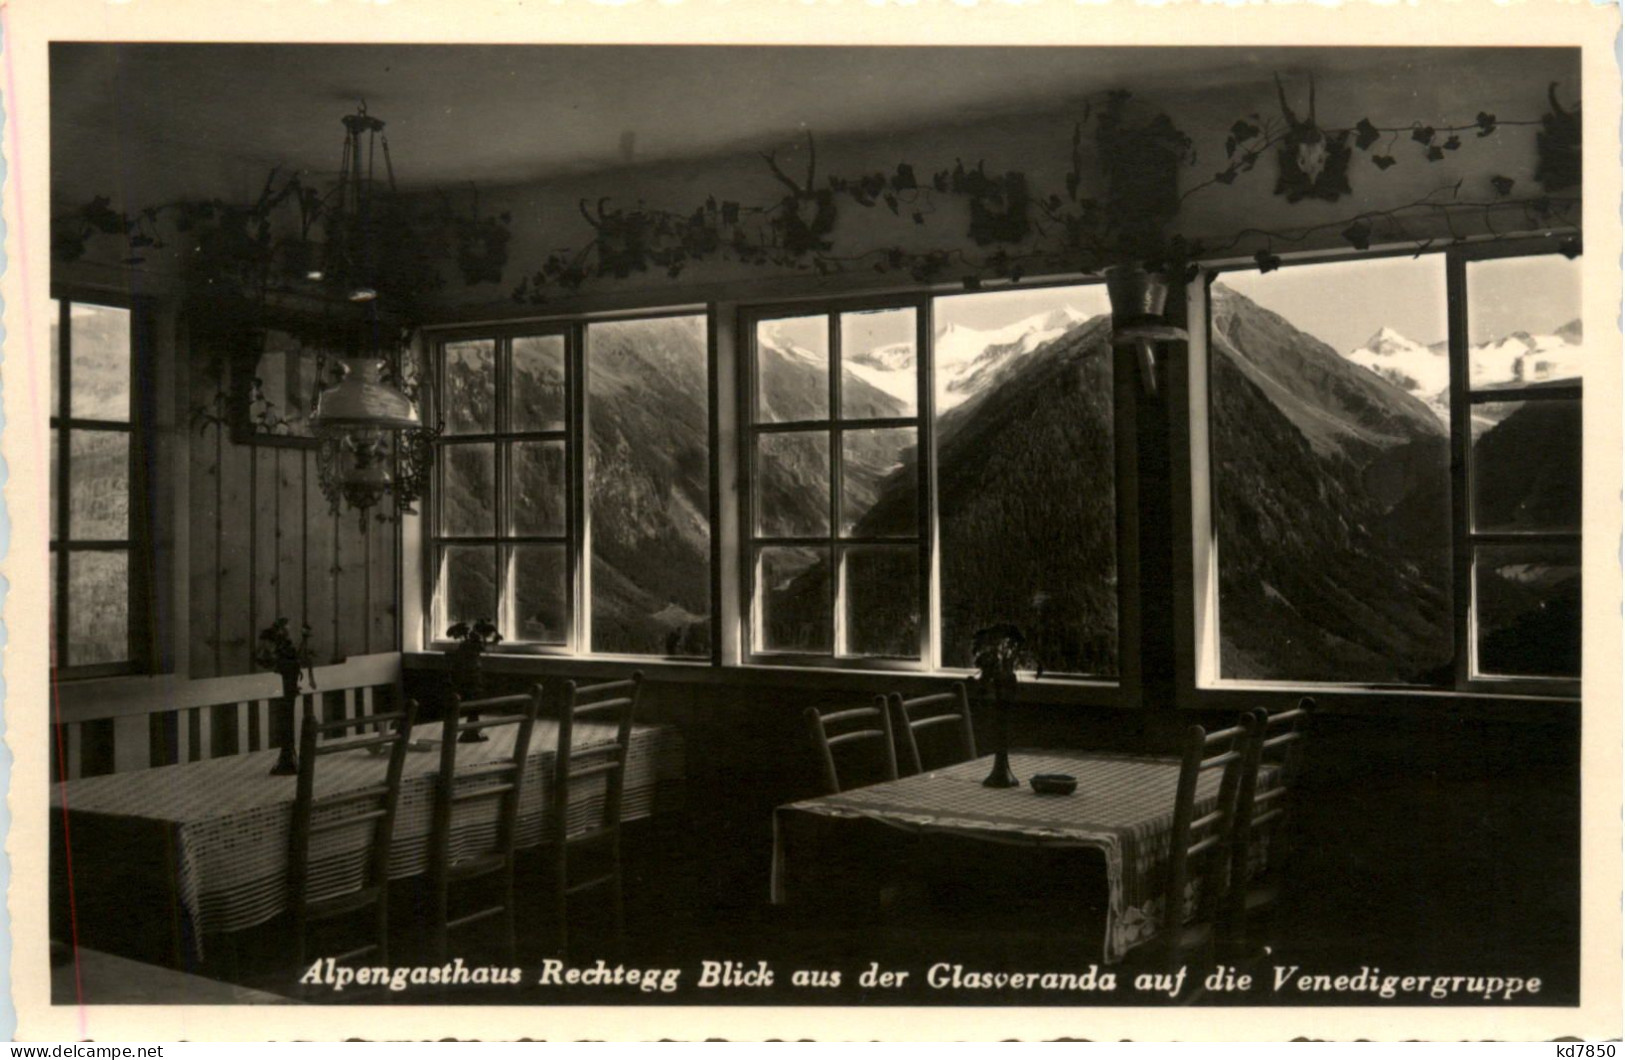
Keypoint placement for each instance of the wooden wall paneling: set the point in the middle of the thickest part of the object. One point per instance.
(237, 560)
(204, 520)
(350, 603)
(290, 534)
(320, 539)
(383, 603)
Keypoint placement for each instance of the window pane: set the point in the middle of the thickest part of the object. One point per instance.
(468, 584)
(1526, 465)
(470, 397)
(877, 364)
(1524, 321)
(538, 383)
(468, 491)
(537, 481)
(100, 345)
(540, 594)
(99, 485)
(792, 369)
(882, 597)
(649, 486)
(56, 358)
(879, 483)
(98, 607)
(792, 484)
(1026, 473)
(1527, 609)
(794, 609)
(1331, 472)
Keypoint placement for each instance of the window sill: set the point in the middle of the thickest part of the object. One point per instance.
(1439, 703)
(1077, 692)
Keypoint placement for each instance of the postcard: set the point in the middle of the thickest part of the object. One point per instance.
(839, 521)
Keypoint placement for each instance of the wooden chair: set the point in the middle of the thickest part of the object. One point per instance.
(124, 723)
(491, 789)
(330, 878)
(923, 713)
(857, 725)
(1200, 848)
(614, 703)
(1264, 821)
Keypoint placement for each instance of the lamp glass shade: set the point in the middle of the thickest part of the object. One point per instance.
(363, 400)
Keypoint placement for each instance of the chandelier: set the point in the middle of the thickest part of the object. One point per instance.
(372, 440)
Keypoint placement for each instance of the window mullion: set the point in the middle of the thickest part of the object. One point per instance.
(1462, 604)
(502, 496)
(925, 462)
(837, 557)
(578, 582)
(64, 532)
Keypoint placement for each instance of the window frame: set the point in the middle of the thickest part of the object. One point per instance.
(577, 537)
(1205, 687)
(140, 654)
(834, 426)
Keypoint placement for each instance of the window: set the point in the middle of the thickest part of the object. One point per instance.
(598, 548)
(93, 462)
(1395, 485)
(836, 540)
(921, 470)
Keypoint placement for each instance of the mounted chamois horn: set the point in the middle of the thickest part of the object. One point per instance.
(1312, 164)
(1558, 146)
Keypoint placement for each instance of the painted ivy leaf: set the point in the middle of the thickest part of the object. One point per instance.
(1382, 161)
(730, 213)
(904, 179)
(1502, 185)
(1452, 143)
(1243, 130)
(1226, 176)
(919, 218)
(1266, 261)
(1435, 153)
(1365, 134)
(1422, 134)
(1486, 123)
(891, 202)
(1229, 147)
(1358, 235)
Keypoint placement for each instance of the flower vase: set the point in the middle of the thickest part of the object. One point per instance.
(468, 682)
(287, 761)
(1000, 776)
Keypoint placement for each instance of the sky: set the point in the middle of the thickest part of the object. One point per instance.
(1344, 303)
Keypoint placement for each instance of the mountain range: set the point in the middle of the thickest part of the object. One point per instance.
(1331, 498)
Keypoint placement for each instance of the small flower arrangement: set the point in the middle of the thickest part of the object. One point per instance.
(278, 651)
(473, 638)
(998, 652)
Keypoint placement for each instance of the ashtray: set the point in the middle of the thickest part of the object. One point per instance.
(1054, 784)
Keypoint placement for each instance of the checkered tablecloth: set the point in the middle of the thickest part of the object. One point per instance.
(1123, 807)
(227, 821)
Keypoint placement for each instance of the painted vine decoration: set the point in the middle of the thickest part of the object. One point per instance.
(1016, 229)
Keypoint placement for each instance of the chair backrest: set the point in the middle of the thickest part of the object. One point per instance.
(479, 786)
(119, 724)
(1267, 792)
(577, 760)
(848, 726)
(325, 860)
(1200, 844)
(935, 712)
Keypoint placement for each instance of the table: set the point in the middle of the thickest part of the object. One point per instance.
(1123, 809)
(208, 841)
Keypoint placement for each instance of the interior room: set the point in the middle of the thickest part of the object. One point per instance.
(723, 524)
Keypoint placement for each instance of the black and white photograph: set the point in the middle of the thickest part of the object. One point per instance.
(716, 527)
